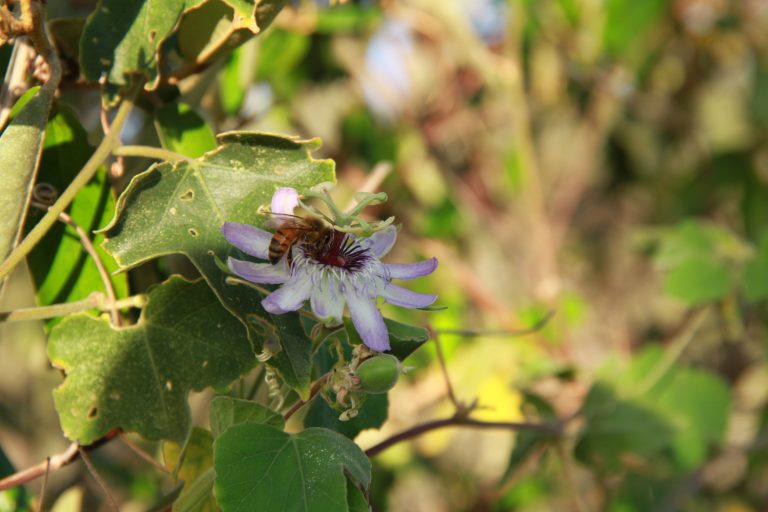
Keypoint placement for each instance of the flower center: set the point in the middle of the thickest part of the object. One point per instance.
(342, 252)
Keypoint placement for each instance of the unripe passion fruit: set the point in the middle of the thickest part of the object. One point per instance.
(378, 374)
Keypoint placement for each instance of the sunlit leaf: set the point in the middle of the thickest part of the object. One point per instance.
(121, 39)
(138, 377)
(258, 466)
(180, 208)
(198, 460)
(227, 411)
(20, 147)
(62, 269)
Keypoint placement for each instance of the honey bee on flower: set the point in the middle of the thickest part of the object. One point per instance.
(314, 260)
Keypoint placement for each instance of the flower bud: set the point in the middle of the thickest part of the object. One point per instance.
(378, 374)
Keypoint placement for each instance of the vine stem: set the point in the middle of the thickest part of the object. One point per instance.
(110, 141)
(462, 421)
(149, 152)
(95, 300)
(312, 394)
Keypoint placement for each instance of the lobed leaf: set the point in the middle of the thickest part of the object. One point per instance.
(180, 208)
(121, 39)
(260, 467)
(137, 378)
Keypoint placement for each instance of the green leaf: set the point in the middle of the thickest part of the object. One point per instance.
(20, 147)
(197, 493)
(372, 414)
(697, 404)
(617, 428)
(627, 21)
(62, 269)
(121, 39)
(138, 377)
(698, 280)
(227, 411)
(258, 466)
(755, 277)
(218, 27)
(403, 338)
(180, 208)
(183, 131)
(356, 499)
(696, 257)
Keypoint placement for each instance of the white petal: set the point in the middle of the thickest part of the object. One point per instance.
(327, 302)
(367, 320)
(262, 273)
(411, 270)
(249, 239)
(380, 242)
(290, 296)
(406, 298)
(284, 200)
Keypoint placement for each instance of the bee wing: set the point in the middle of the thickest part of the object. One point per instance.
(282, 220)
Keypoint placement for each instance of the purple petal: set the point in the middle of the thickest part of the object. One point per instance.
(327, 302)
(290, 296)
(262, 273)
(249, 239)
(406, 298)
(284, 200)
(411, 270)
(367, 321)
(381, 242)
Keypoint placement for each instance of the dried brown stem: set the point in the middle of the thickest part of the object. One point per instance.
(553, 429)
(50, 464)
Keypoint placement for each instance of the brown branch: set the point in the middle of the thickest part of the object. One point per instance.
(50, 463)
(553, 429)
(312, 394)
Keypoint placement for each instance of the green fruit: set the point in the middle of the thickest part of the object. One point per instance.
(378, 374)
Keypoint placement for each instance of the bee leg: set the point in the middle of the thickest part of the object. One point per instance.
(289, 256)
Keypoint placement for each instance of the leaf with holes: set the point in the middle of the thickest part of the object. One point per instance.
(260, 467)
(122, 39)
(180, 208)
(137, 378)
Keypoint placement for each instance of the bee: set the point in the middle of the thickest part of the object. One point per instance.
(313, 235)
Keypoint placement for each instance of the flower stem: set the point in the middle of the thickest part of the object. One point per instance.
(149, 152)
(95, 300)
(93, 164)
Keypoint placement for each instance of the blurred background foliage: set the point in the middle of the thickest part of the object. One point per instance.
(603, 159)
